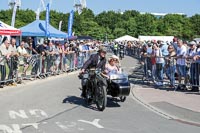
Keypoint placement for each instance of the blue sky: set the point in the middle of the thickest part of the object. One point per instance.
(188, 7)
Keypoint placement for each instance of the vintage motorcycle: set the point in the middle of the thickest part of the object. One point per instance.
(121, 54)
(97, 88)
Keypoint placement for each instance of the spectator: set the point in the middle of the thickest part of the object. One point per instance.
(148, 59)
(23, 57)
(171, 65)
(5, 54)
(50, 57)
(41, 50)
(153, 62)
(81, 54)
(175, 44)
(159, 65)
(164, 49)
(65, 59)
(58, 52)
(13, 63)
(181, 62)
(194, 70)
(71, 55)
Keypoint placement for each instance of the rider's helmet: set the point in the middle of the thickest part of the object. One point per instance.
(102, 50)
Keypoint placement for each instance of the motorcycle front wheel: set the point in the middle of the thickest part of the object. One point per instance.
(101, 97)
(88, 98)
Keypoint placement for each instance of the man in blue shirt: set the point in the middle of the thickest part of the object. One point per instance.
(164, 49)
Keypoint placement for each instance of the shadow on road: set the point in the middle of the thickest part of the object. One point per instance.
(78, 101)
(111, 102)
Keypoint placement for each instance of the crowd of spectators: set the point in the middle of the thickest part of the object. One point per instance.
(178, 61)
(42, 59)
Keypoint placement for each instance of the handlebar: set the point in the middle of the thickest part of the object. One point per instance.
(90, 72)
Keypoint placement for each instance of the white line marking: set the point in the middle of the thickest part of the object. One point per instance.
(38, 113)
(7, 129)
(21, 114)
(94, 123)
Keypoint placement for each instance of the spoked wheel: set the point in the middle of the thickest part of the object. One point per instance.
(122, 98)
(101, 97)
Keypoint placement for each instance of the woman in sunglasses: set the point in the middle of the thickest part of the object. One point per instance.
(171, 65)
(111, 67)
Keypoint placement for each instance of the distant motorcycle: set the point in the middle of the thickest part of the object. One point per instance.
(121, 54)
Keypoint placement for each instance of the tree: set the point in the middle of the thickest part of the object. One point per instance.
(119, 32)
(113, 24)
(130, 14)
(108, 19)
(174, 25)
(195, 21)
(146, 24)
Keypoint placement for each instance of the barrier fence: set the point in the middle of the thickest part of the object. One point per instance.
(15, 69)
(170, 72)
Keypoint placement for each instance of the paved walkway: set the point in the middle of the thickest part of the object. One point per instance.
(187, 100)
(178, 104)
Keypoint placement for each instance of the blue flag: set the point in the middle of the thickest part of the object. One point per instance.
(70, 23)
(47, 33)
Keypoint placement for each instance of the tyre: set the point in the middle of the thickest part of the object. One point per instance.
(122, 98)
(88, 92)
(101, 97)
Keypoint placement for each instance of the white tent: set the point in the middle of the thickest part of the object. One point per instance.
(8, 30)
(197, 39)
(126, 38)
(162, 38)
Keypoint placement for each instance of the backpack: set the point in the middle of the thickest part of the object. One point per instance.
(191, 50)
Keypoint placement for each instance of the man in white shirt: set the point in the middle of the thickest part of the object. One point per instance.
(23, 55)
(181, 61)
(159, 64)
(12, 64)
(194, 66)
(4, 55)
(81, 54)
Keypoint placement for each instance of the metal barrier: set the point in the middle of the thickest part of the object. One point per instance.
(176, 75)
(15, 69)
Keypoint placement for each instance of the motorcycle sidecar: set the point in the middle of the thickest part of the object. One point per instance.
(119, 86)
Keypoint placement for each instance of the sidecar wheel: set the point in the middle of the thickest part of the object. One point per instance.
(122, 98)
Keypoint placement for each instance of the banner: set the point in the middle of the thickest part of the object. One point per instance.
(70, 23)
(60, 25)
(47, 21)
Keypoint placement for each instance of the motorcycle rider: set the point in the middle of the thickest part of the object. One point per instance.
(115, 48)
(121, 50)
(97, 61)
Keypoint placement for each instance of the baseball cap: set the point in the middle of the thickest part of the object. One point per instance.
(192, 43)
